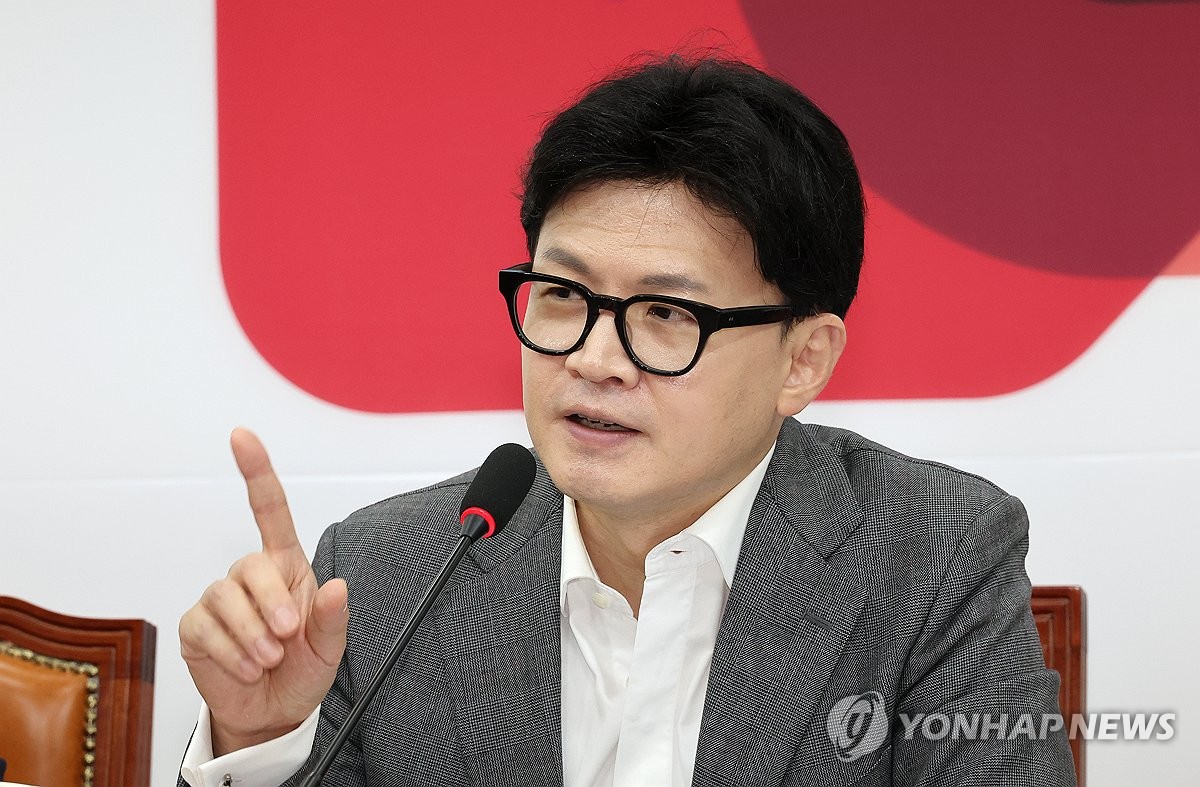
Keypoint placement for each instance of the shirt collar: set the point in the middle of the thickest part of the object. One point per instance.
(576, 564)
(721, 527)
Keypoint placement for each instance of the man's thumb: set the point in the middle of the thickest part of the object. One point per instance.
(327, 621)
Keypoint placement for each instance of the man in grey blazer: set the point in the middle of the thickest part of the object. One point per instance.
(698, 589)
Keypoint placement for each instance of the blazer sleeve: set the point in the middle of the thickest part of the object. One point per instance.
(978, 655)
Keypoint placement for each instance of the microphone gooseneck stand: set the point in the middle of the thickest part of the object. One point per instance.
(410, 628)
(503, 481)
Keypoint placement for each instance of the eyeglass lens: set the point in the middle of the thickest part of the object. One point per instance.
(553, 317)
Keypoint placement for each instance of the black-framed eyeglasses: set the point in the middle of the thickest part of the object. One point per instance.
(660, 334)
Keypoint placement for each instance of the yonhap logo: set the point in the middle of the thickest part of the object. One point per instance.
(857, 725)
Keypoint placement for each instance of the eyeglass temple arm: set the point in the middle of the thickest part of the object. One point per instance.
(753, 315)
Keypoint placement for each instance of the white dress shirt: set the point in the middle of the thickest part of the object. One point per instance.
(632, 689)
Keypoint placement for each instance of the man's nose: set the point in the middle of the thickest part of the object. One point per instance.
(602, 356)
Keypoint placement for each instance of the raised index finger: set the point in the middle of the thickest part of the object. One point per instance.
(267, 499)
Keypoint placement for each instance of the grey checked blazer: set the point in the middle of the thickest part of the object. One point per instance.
(862, 570)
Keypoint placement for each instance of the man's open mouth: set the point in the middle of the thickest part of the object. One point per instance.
(592, 423)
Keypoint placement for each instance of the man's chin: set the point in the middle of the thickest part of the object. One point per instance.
(590, 482)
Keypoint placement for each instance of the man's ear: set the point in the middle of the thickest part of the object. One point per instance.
(816, 345)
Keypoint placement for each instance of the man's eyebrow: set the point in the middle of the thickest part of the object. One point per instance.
(565, 259)
(655, 281)
(673, 281)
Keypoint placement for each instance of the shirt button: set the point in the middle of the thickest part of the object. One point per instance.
(600, 600)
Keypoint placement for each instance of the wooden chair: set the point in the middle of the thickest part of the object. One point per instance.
(76, 698)
(1060, 614)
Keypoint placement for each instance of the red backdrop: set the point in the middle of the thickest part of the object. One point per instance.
(1029, 166)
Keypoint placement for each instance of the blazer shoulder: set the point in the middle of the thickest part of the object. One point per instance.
(877, 473)
(903, 497)
(418, 528)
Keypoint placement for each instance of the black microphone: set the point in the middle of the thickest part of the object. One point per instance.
(503, 481)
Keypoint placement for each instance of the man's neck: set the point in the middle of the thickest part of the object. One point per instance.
(619, 539)
(618, 546)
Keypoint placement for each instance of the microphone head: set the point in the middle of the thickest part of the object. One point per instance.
(503, 481)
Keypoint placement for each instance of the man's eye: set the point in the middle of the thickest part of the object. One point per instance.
(662, 311)
(562, 293)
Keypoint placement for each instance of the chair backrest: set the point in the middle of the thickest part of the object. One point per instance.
(1060, 614)
(76, 698)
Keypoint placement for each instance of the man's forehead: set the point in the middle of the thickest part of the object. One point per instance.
(669, 201)
(571, 265)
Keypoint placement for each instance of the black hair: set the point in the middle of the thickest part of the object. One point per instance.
(746, 144)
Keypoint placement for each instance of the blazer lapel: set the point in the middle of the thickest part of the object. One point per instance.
(788, 617)
(499, 634)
